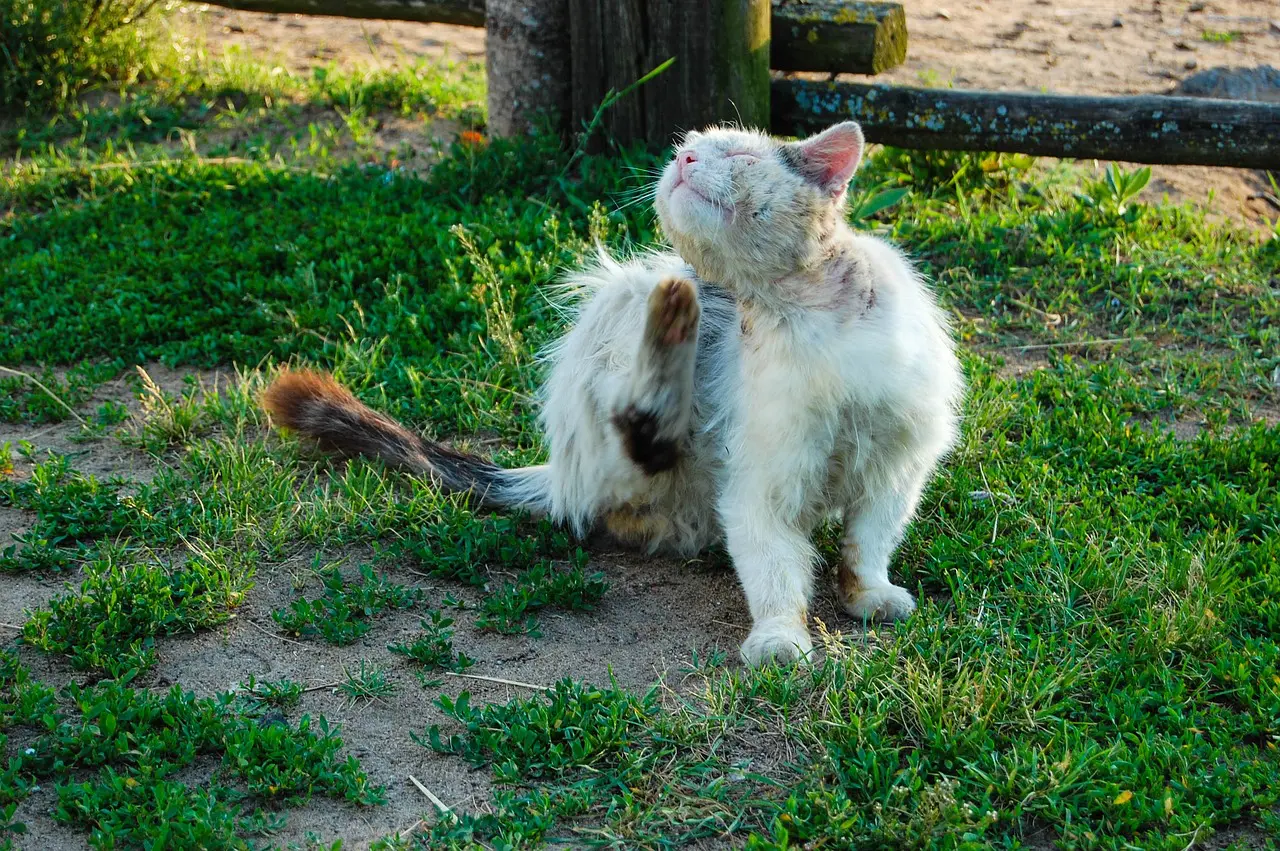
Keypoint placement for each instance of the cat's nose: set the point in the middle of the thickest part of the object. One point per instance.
(685, 159)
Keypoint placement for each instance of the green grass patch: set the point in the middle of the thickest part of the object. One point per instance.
(433, 649)
(344, 613)
(111, 622)
(131, 742)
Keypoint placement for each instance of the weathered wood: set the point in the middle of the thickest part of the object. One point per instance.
(721, 69)
(838, 35)
(1143, 128)
(526, 50)
(808, 35)
(467, 13)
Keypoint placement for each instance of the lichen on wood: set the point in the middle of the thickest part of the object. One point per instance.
(838, 36)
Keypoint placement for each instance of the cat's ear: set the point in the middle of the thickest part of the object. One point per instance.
(830, 158)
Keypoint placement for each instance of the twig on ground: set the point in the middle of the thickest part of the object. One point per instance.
(439, 804)
(1050, 318)
(737, 626)
(49, 392)
(1112, 341)
(333, 684)
(11, 626)
(441, 379)
(498, 680)
(262, 629)
(141, 164)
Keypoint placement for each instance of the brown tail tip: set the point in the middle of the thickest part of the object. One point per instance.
(292, 397)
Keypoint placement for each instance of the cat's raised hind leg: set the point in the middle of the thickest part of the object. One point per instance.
(654, 413)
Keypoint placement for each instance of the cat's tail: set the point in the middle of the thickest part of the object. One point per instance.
(317, 407)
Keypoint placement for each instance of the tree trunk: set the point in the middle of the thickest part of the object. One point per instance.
(526, 62)
(721, 69)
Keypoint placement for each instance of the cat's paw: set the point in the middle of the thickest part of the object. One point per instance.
(673, 312)
(880, 603)
(780, 640)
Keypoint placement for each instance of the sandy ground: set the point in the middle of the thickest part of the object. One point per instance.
(1067, 46)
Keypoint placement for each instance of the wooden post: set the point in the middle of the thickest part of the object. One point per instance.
(526, 62)
(1140, 128)
(721, 69)
(838, 35)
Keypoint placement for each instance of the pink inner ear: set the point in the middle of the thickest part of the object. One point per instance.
(834, 155)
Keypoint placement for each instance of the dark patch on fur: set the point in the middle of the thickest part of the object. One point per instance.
(791, 157)
(639, 430)
(322, 410)
(871, 300)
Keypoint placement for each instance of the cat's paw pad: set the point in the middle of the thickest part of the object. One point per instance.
(780, 640)
(880, 603)
(673, 312)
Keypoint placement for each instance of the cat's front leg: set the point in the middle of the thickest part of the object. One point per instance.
(774, 561)
(872, 530)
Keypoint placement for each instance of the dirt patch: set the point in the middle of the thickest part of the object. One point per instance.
(303, 42)
(656, 614)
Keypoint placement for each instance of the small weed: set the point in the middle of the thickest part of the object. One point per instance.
(255, 698)
(511, 608)
(280, 762)
(1219, 36)
(71, 510)
(345, 611)
(434, 648)
(463, 547)
(110, 413)
(366, 685)
(167, 420)
(1113, 193)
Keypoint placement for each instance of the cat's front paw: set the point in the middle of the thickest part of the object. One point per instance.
(780, 640)
(880, 603)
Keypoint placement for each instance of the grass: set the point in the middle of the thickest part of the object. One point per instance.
(1220, 36)
(1095, 662)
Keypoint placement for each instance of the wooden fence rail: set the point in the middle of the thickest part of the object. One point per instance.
(808, 35)
(1141, 128)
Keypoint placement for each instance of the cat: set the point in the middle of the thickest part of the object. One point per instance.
(775, 370)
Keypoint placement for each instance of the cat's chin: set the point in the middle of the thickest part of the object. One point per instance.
(695, 215)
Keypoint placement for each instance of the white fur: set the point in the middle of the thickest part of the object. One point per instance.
(825, 382)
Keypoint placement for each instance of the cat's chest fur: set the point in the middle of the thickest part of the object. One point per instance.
(804, 415)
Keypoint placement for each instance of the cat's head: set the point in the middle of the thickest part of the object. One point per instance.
(743, 206)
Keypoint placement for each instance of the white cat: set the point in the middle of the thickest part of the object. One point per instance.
(777, 370)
